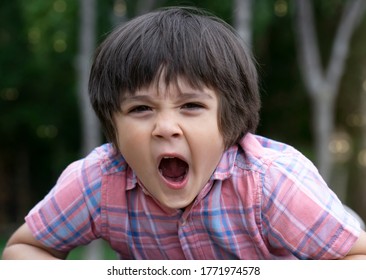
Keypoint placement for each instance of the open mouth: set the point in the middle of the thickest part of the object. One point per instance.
(173, 169)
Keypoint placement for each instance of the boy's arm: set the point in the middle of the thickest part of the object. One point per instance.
(358, 251)
(22, 245)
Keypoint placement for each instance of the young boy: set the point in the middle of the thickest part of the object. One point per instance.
(184, 177)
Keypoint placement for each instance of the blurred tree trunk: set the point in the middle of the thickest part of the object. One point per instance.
(322, 84)
(243, 20)
(356, 195)
(91, 135)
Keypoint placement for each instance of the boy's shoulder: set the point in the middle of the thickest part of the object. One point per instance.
(259, 144)
(279, 164)
(262, 147)
(261, 152)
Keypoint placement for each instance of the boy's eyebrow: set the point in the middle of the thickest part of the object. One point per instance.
(131, 98)
(194, 95)
(181, 97)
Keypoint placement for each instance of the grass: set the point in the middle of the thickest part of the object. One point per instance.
(80, 252)
(106, 252)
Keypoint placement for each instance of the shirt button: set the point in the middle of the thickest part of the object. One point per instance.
(184, 222)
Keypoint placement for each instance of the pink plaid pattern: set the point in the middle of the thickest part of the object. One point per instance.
(265, 200)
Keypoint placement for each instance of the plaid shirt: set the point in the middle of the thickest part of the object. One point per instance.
(264, 201)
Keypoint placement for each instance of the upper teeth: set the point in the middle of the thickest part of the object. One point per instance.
(167, 157)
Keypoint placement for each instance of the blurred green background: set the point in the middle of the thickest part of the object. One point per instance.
(41, 123)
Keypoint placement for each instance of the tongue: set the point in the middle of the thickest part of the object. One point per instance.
(173, 168)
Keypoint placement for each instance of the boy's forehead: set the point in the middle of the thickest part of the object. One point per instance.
(163, 88)
(179, 89)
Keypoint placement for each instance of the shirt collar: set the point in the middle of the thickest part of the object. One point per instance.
(226, 164)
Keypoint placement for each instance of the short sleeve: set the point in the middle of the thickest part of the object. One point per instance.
(301, 213)
(69, 214)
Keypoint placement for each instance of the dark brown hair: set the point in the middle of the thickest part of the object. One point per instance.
(185, 42)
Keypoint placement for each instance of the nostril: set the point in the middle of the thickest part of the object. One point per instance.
(161, 136)
(167, 130)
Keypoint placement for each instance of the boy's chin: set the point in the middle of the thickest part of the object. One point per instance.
(176, 205)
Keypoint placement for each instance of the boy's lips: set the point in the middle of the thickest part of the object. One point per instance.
(173, 170)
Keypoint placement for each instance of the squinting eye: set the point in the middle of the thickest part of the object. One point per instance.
(140, 109)
(192, 106)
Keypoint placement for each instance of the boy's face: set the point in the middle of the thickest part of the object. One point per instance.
(169, 135)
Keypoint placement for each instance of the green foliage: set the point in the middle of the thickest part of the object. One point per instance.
(38, 108)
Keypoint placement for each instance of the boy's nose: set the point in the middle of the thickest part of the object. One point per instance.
(166, 126)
